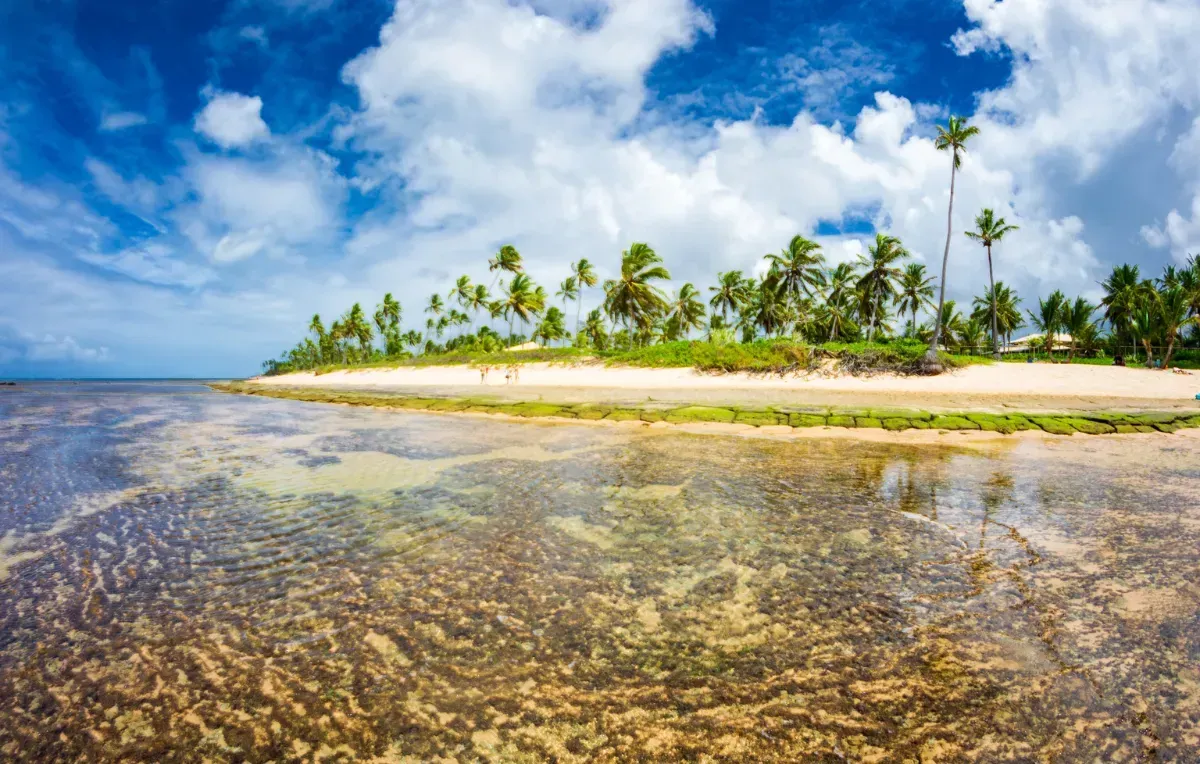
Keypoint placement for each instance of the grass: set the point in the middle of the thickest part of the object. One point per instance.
(1186, 362)
(1086, 423)
(759, 357)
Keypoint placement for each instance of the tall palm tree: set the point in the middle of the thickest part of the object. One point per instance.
(916, 291)
(953, 138)
(731, 293)
(595, 330)
(436, 307)
(800, 267)
(1049, 318)
(1075, 319)
(568, 290)
(877, 285)
(585, 278)
(507, 260)
(686, 311)
(989, 230)
(477, 300)
(839, 299)
(1123, 293)
(357, 327)
(552, 326)
(632, 298)
(520, 300)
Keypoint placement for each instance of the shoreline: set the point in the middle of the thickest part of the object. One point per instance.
(799, 420)
(995, 388)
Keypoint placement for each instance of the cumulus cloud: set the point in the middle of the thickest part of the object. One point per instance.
(232, 120)
(152, 264)
(17, 347)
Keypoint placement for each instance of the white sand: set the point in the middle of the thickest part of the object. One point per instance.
(1001, 381)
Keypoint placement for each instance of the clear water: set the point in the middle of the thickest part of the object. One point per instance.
(186, 575)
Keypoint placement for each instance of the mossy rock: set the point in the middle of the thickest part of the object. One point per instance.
(1089, 427)
(868, 422)
(1107, 417)
(446, 404)
(416, 403)
(1167, 427)
(624, 415)
(699, 414)
(896, 424)
(1193, 422)
(653, 415)
(1153, 418)
(992, 423)
(1054, 425)
(759, 418)
(1145, 428)
(910, 414)
(1125, 429)
(592, 412)
(806, 420)
(1020, 423)
(480, 410)
(538, 409)
(853, 413)
(840, 420)
(952, 423)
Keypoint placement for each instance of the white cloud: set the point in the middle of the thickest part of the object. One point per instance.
(121, 120)
(232, 120)
(51, 348)
(152, 263)
(256, 35)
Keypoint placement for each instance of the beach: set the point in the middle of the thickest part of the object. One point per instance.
(984, 387)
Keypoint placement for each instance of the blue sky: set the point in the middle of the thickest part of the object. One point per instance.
(182, 184)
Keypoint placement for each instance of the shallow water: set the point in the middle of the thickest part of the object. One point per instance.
(186, 575)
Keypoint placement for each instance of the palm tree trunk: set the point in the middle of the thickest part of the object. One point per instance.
(1170, 350)
(992, 280)
(578, 310)
(931, 357)
(914, 323)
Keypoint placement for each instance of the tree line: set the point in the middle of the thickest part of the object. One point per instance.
(880, 297)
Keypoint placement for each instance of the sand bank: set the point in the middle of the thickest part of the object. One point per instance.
(983, 387)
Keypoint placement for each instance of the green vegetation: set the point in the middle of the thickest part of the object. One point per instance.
(1088, 423)
(787, 318)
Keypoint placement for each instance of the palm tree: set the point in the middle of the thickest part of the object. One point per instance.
(916, 291)
(1049, 318)
(520, 299)
(568, 290)
(686, 311)
(507, 260)
(552, 326)
(477, 300)
(461, 291)
(731, 293)
(595, 330)
(1002, 309)
(1075, 319)
(1174, 314)
(356, 327)
(585, 278)
(877, 285)
(799, 267)
(435, 307)
(953, 138)
(632, 298)
(989, 230)
(1123, 293)
(838, 299)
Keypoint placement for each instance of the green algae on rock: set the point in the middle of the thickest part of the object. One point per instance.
(798, 416)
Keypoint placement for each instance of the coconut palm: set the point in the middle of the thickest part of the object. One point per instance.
(953, 138)
(877, 285)
(632, 298)
(799, 267)
(568, 290)
(1174, 314)
(685, 312)
(477, 300)
(1124, 291)
(839, 300)
(1007, 316)
(436, 306)
(461, 292)
(585, 278)
(507, 260)
(552, 326)
(1049, 318)
(595, 331)
(988, 231)
(916, 291)
(356, 327)
(731, 293)
(520, 300)
(1075, 320)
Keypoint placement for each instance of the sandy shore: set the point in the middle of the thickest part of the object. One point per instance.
(996, 386)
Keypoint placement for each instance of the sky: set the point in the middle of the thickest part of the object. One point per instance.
(183, 183)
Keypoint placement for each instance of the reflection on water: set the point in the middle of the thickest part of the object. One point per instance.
(185, 575)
